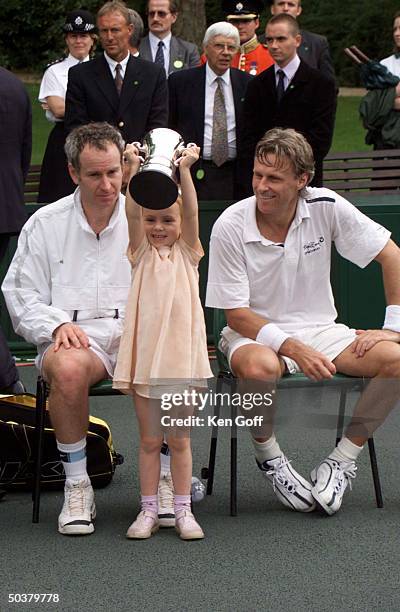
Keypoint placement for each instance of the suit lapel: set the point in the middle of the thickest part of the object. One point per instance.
(299, 78)
(237, 90)
(173, 54)
(145, 50)
(105, 82)
(199, 101)
(133, 79)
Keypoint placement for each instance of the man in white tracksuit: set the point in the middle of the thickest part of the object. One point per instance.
(66, 291)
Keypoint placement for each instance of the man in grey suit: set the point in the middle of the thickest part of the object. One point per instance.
(159, 46)
(314, 49)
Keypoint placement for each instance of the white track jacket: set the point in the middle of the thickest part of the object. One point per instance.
(62, 269)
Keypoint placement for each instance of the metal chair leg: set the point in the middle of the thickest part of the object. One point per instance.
(375, 472)
(341, 414)
(233, 462)
(214, 439)
(371, 446)
(39, 437)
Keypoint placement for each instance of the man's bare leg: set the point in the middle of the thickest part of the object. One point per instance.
(382, 365)
(70, 372)
(258, 369)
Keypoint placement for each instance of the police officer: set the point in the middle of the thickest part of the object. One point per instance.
(80, 39)
(252, 57)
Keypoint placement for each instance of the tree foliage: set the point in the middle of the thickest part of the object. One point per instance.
(31, 35)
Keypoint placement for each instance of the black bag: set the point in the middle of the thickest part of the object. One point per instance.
(17, 424)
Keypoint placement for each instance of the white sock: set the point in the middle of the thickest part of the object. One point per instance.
(165, 459)
(265, 451)
(346, 451)
(73, 457)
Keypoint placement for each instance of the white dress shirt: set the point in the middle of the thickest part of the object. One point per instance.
(153, 40)
(211, 86)
(112, 64)
(289, 71)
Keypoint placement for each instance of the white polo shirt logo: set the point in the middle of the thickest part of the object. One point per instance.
(313, 246)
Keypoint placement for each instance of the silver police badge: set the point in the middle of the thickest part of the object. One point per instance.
(239, 6)
(78, 21)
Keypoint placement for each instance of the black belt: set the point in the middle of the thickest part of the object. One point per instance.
(116, 315)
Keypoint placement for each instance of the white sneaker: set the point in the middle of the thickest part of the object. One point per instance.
(166, 512)
(187, 526)
(330, 480)
(290, 488)
(79, 510)
(143, 527)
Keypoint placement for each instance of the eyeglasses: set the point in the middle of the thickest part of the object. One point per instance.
(161, 14)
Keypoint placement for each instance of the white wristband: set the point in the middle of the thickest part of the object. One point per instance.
(271, 335)
(392, 318)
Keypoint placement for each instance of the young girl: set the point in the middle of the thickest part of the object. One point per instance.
(164, 340)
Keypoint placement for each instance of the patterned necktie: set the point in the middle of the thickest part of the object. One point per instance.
(118, 78)
(219, 142)
(280, 89)
(159, 59)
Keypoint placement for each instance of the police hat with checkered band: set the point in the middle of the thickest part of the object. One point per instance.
(79, 22)
(242, 9)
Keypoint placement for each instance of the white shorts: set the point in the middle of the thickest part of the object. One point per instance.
(330, 340)
(104, 337)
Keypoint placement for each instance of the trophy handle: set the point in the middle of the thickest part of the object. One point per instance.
(180, 151)
(142, 150)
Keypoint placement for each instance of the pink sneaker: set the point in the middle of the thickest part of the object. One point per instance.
(144, 526)
(187, 526)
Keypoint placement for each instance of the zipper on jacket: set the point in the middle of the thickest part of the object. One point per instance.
(97, 270)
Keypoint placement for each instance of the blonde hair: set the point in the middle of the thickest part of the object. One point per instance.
(287, 145)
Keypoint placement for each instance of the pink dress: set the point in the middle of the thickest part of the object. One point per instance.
(164, 342)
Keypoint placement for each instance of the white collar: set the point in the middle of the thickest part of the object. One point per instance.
(112, 63)
(118, 210)
(290, 69)
(72, 61)
(211, 76)
(251, 233)
(154, 40)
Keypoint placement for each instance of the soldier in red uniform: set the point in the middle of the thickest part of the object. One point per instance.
(252, 57)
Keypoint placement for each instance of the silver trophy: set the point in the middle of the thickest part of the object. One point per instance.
(155, 185)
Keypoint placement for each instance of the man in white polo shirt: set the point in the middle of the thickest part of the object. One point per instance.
(270, 271)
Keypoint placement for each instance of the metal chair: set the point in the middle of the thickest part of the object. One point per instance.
(343, 383)
(102, 388)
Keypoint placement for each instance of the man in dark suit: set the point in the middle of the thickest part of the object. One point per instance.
(205, 108)
(289, 94)
(127, 92)
(15, 156)
(314, 48)
(160, 46)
